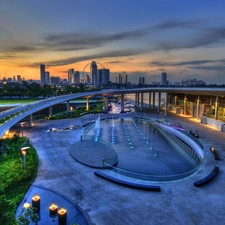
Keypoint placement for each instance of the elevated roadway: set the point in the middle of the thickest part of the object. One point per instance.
(22, 111)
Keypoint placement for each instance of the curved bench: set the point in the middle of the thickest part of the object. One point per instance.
(127, 183)
(208, 178)
(214, 152)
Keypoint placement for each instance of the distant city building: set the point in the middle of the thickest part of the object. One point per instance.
(42, 73)
(87, 79)
(118, 79)
(19, 79)
(71, 76)
(14, 78)
(47, 77)
(103, 76)
(125, 78)
(55, 80)
(93, 72)
(164, 79)
(141, 80)
(76, 77)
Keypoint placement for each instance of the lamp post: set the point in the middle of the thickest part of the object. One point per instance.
(21, 124)
(24, 152)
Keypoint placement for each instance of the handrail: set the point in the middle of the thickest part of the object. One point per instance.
(182, 144)
(110, 160)
(152, 177)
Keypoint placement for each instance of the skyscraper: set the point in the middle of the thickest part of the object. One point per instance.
(141, 80)
(105, 76)
(47, 77)
(42, 73)
(77, 77)
(71, 76)
(119, 79)
(163, 79)
(125, 78)
(93, 72)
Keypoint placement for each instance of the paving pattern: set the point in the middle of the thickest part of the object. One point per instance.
(105, 203)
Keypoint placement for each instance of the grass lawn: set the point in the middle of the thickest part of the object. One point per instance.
(16, 101)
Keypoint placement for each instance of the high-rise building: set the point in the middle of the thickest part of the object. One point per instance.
(125, 78)
(93, 72)
(71, 76)
(141, 80)
(19, 79)
(87, 79)
(14, 78)
(47, 77)
(163, 79)
(105, 76)
(76, 77)
(42, 73)
(118, 79)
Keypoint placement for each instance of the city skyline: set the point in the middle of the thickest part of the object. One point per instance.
(184, 39)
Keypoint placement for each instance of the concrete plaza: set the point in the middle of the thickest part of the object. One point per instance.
(105, 203)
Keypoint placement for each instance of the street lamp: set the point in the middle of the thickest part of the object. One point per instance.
(24, 151)
(21, 124)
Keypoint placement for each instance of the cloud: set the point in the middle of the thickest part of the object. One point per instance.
(185, 63)
(171, 24)
(206, 38)
(78, 41)
(218, 68)
(72, 60)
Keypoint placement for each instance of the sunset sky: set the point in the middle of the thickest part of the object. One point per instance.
(184, 38)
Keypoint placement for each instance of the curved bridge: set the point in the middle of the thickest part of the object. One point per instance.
(20, 112)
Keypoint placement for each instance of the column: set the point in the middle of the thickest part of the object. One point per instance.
(149, 99)
(138, 100)
(122, 103)
(216, 107)
(185, 104)
(30, 119)
(107, 102)
(198, 107)
(142, 99)
(166, 105)
(67, 106)
(153, 100)
(87, 104)
(175, 100)
(159, 101)
(136, 96)
(50, 111)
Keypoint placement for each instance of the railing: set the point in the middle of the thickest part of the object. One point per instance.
(152, 177)
(105, 161)
(182, 144)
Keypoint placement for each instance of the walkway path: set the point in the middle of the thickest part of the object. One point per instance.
(106, 203)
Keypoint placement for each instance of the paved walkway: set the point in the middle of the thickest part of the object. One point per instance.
(105, 203)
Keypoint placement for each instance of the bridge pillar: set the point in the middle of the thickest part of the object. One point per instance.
(122, 103)
(216, 107)
(166, 104)
(198, 107)
(185, 104)
(67, 106)
(136, 96)
(87, 104)
(107, 102)
(30, 119)
(159, 101)
(149, 100)
(50, 111)
(153, 100)
(142, 99)
(138, 99)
